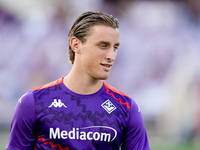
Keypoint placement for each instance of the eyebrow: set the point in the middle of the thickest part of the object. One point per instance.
(105, 42)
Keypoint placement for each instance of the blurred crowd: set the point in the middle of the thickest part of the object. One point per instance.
(158, 61)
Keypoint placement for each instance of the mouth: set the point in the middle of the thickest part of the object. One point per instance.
(107, 67)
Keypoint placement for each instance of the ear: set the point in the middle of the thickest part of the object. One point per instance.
(75, 44)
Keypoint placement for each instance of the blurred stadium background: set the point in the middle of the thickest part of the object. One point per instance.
(158, 60)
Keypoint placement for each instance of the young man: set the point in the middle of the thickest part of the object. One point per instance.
(81, 111)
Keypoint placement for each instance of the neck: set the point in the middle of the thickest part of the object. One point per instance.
(80, 84)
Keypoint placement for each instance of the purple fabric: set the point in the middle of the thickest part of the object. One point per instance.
(57, 118)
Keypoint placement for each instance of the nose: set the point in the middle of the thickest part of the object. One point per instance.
(111, 54)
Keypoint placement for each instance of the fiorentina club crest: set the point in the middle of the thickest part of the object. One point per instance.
(108, 106)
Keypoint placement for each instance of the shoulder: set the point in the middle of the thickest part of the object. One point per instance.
(24, 107)
(124, 99)
(47, 89)
(26, 99)
(108, 87)
(51, 84)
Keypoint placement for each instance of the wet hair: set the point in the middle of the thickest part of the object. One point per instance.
(81, 27)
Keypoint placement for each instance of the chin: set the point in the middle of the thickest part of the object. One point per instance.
(103, 77)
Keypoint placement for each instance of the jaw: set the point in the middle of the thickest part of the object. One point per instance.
(100, 74)
(93, 71)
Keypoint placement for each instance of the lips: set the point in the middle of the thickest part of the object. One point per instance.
(107, 67)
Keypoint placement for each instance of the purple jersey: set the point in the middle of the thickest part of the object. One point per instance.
(54, 117)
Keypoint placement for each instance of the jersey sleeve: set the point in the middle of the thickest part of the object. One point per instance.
(135, 133)
(23, 132)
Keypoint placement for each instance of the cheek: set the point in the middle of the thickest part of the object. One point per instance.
(97, 55)
(92, 55)
(89, 60)
(115, 56)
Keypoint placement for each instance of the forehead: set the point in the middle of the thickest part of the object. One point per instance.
(103, 32)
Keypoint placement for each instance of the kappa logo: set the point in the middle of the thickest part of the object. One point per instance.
(108, 106)
(58, 103)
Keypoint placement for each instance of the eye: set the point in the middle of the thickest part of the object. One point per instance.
(116, 48)
(103, 46)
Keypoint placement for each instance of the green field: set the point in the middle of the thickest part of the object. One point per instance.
(177, 147)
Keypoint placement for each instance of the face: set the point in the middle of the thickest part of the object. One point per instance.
(97, 55)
